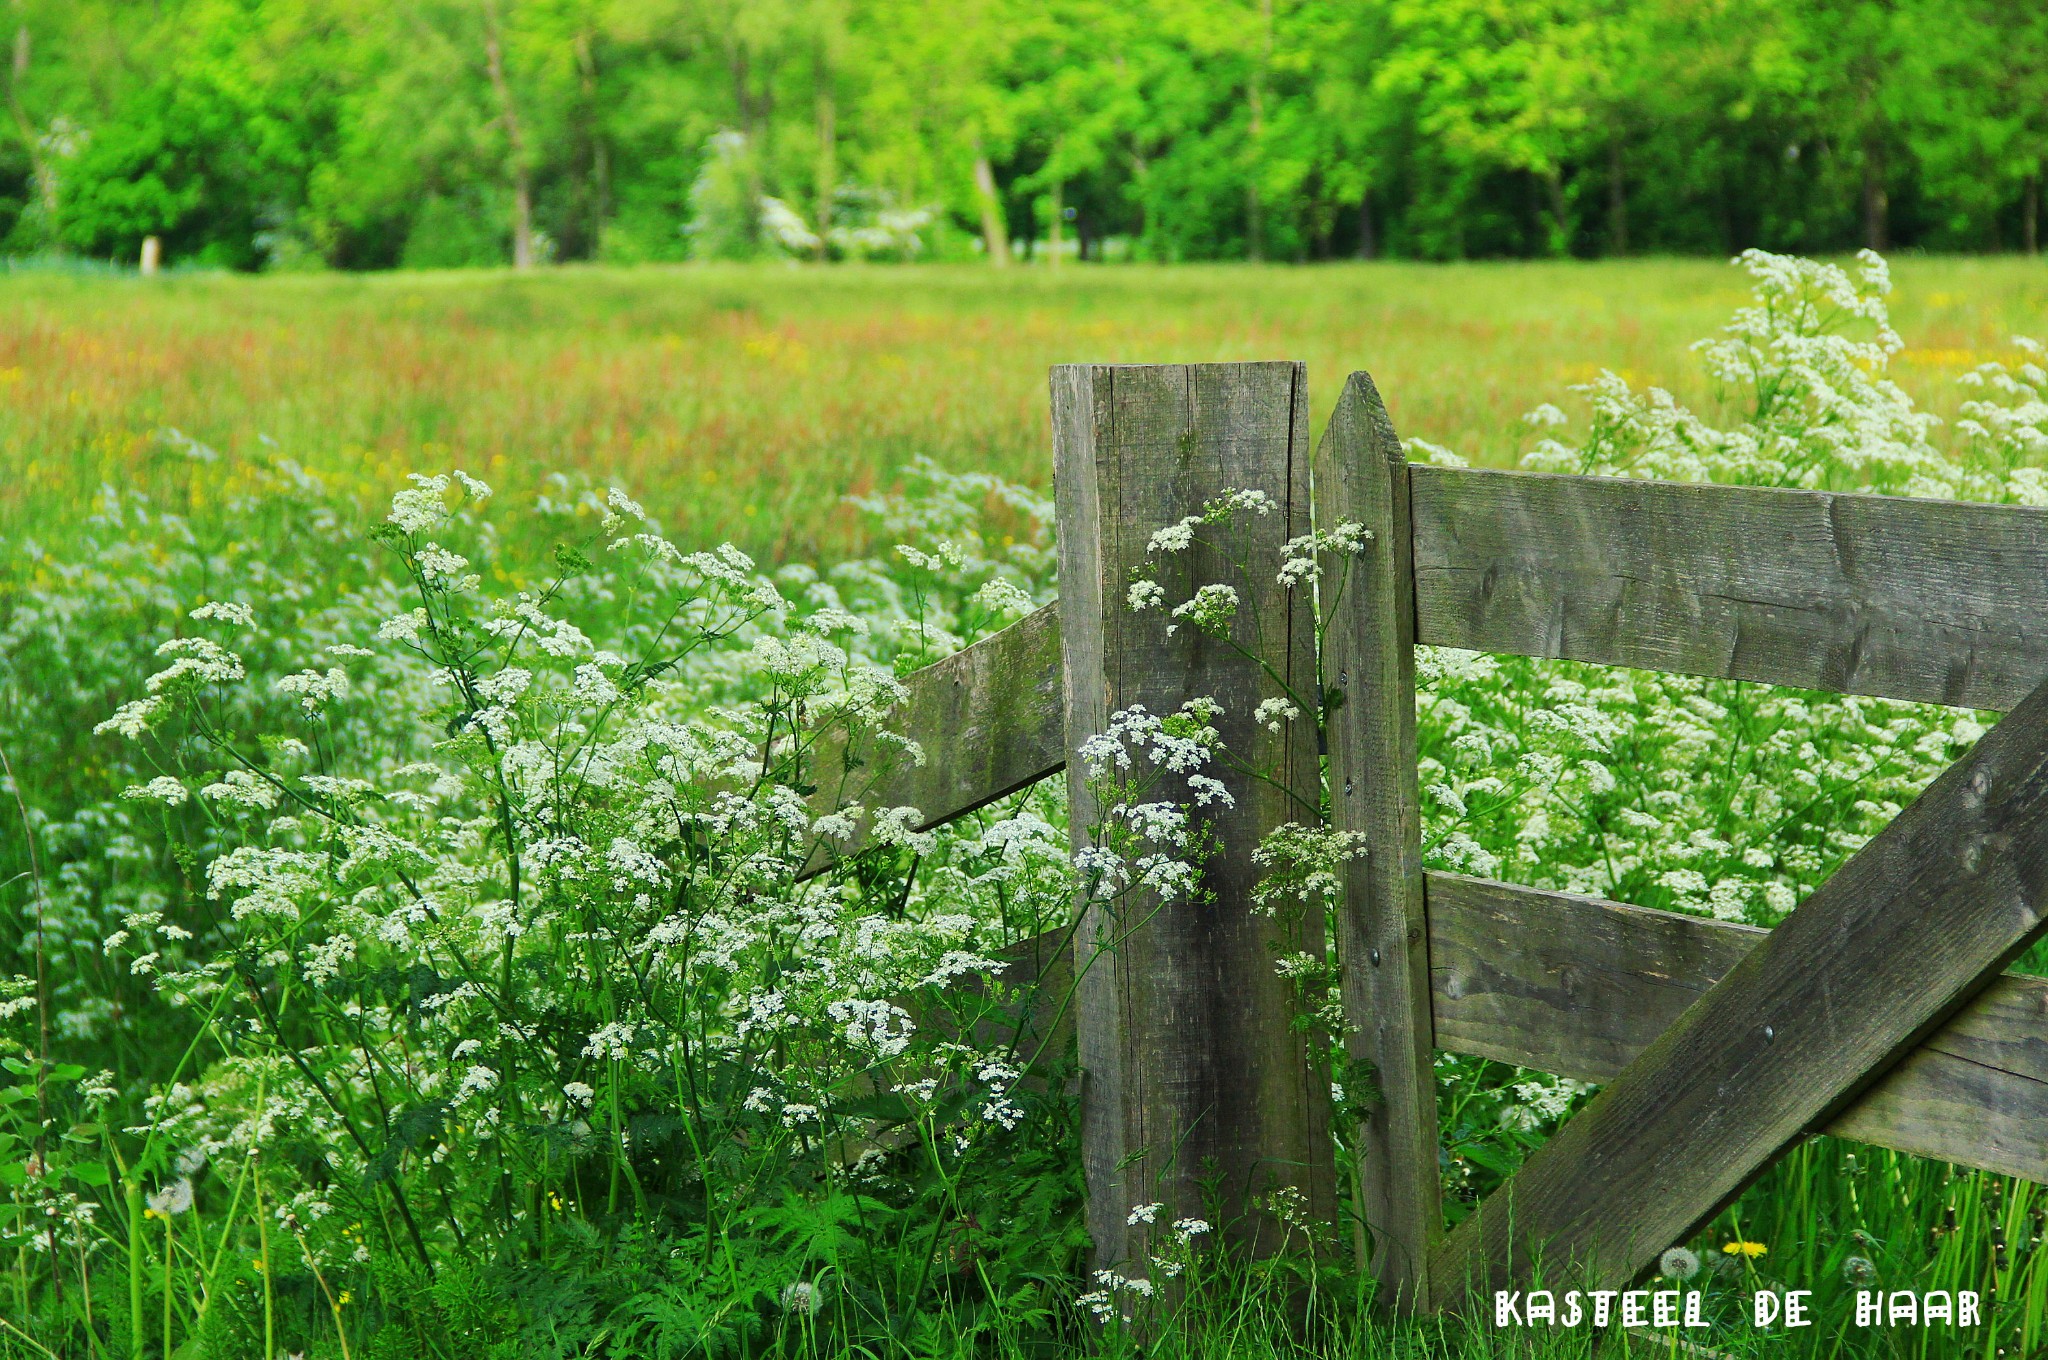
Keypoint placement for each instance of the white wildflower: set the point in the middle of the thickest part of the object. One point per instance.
(239, 614)
(163, 789)
(1273, 714)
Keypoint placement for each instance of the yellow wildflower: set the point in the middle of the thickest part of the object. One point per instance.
(1750, 1249)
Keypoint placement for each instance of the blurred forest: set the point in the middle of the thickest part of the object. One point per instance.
(366, 134)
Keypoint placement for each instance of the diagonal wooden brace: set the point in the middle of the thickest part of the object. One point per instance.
(1917, 922)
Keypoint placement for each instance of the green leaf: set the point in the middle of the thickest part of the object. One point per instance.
(884, 1107)
(1490, 1158)
(92, 1173)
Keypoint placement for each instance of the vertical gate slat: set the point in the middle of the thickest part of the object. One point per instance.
(1362, 475)
(1194, 1081)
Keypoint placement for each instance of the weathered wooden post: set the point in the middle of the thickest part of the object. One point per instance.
(1369, 659)
(1197, 1092)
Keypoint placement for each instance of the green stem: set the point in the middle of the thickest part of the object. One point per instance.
(131, 1194)
(227, 1231)
(263, 1249)
(167, 1287)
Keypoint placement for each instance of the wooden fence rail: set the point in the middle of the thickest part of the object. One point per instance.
(1878, 1011)
(1940, 602)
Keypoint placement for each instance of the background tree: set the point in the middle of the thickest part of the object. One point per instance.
(280, 133)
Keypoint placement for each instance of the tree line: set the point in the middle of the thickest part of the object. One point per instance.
(365, 134)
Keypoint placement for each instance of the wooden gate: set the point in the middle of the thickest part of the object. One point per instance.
(1878, 1011)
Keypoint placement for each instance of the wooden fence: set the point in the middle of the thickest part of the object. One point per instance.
(1878, 1011)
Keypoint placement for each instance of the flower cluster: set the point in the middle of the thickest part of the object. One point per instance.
(579, 882)
(1715, 797)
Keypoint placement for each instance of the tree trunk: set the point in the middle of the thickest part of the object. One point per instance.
(1617, 200)
(827, 109)
(2030, 214)
(1139, 167)
(1368, 238)
(1876, 203)
(995, 230)
(40, 169)
(753, 117)
(508, 114)
(600, 186)
(1056, 240)
(1560, 213)
(1254, 211)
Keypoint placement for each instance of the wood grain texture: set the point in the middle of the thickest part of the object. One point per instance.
(1025, 1010)
(1369, 662)
(1934, 601)
(988, 719)
(1580, 986)
(1190, 1066)
(1915, 925)
(1583, 984)
(1022, 1012)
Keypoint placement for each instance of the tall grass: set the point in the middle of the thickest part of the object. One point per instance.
(171, 441)
(745, 402)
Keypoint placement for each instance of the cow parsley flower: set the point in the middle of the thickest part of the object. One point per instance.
(131, 719)
(238, 614)
(1273, 714)
(1211, 609)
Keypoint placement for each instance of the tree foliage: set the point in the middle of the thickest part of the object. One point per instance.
(276, 133)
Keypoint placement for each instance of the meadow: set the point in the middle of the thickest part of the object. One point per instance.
(743, 403)
(347, 1001)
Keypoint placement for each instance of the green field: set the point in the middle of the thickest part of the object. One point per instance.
(743, 402)
(343, 997)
